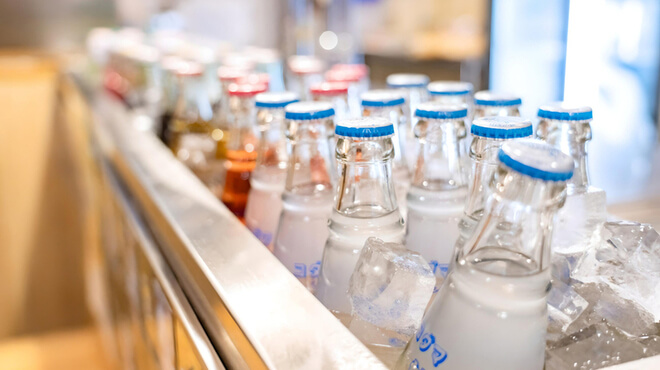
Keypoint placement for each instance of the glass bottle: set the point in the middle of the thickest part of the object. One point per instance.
(303, 72)
(169, 66)
(365, 205)
(307, 198)
(451, 92)
(241, 147)
(489, 103)
(190, 132)
(437, 195)
(335, 93)
(268, 179)
(568, 128)
(491, 311)
(227, 77)
(389, 104)
(488, 135)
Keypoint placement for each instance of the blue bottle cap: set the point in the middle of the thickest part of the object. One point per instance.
(565, 112)
(502, 127)
(450, 88)
(365, 128)
(275, 99)
(407, 80)
(536, 159)
(496, 99)
(308, 110)
(441, 111)
(381, 98)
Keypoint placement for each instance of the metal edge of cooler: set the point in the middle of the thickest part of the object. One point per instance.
(198, 343)
(255, 312)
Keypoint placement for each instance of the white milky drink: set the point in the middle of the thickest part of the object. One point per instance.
(307, 199)
(365, 205)
(437, 195)
(267, 181)
(491, 310)
(389, 104)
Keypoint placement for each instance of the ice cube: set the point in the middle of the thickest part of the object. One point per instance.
(565, 305)
(390, 288)
(627, 259)
(593, 347)
(577, 222)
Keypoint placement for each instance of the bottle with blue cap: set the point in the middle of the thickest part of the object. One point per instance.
(267, 181)
(488, 136)
(568, 128)
(365, 205)
(388, 104)
(451, 92)
(491, 310)
(308, 193)
(491, 103)
(413, 86)
(437, 195)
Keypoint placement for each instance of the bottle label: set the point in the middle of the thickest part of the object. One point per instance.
(425, 341)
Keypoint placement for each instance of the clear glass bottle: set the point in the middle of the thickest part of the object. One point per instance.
(221, 122)
(268, 179)
(303, 72)
(413, 87)
(365, 205)
(389, 104)
(241, 147)
(568, 128)
(437, 195)
(307, 198)
(335, 93)
(491, 311)
(190, 132)
(451, 92)
(489, 103)
(169, 66)
(488, 135)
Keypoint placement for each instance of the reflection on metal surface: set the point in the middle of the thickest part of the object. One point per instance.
(256, 313)
(146, 299)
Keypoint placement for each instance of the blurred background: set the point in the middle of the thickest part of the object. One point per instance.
(602, 53)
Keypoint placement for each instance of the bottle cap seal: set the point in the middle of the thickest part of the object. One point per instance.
(275, 99)
(381, 98)
(308, 110)
(441, 111)
(407, 80)
(449, 88)
(565, 112)
(536, 159)
(502, 127)
(365, 127)
(494, 99)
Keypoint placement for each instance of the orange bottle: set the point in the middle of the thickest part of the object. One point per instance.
(242, 146)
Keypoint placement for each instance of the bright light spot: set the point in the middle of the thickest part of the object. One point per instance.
(217, 134)
(328, 40)
(249, 148)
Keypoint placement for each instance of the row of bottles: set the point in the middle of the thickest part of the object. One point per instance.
(452, 175)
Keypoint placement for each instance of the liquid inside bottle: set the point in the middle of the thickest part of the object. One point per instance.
(307, 198)
(365, 204)
(568, 128)
(268, 179)
(190, 131)
(388, 104)
(493, 303)
(241, 148)
(437, 195)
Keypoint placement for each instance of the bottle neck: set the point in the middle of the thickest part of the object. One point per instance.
(396, 116)
(308, 169)
(271, 152)
(439, 166)
(365, 188)
(514, 236)
(483, 158)
(571, 138)
(193, 104)
(242, 124)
